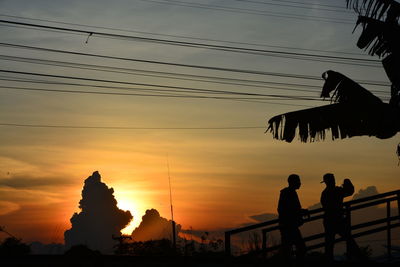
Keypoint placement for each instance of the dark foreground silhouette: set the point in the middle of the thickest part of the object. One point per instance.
(290, 218)
(334, 219)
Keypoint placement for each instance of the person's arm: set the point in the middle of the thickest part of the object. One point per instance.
(348, 188)
(323, 199)
(281, 205)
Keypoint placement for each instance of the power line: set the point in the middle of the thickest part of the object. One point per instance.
(184, 89)
(168, 75)
(384, 97)
(128, 128)
(130, 88)
(239, 99)
(7, 78)
(247, 83)
(305, 3)
(225, 48)
(306, 6)
(181, 36)
(222, 69)
(252, 11)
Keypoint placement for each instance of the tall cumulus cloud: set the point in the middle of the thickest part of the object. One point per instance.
(99, 219)
(154, 227)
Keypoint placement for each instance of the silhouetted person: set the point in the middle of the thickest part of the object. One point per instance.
(290, 218)
(334, 219)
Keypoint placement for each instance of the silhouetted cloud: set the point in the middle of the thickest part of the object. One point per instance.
(154, 227)
(264, 217)
(367, 192)
(314, 206)
(31, 182)
(99, 219)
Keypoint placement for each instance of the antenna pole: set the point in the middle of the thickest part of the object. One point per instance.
(172, 210)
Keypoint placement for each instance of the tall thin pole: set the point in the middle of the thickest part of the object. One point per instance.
(172, 210)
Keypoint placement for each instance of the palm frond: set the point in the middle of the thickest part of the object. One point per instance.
(356, 112)
(377, 9)
(343, 120)
(380, 25)
(380, 37)
(391, 65)
(341, 89)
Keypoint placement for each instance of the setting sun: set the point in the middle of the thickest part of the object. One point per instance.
(126, 204)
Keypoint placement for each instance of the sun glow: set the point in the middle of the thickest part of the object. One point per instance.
(125, 204)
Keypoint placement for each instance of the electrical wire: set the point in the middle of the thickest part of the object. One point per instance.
(288, 86)
(303, 3)
(225, 48)
(181, 36)
(125, 88)
(213, 68)
(308, 7)
(238, 99)
(252, 11)
(112, 69)
(128, 128)
(185, 89)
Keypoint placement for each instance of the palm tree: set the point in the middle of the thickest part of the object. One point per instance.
(354, 110)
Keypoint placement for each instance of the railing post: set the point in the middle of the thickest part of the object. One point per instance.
(398, 204)
(389, 238)
(264, 239)
(264, 243)
(228, 243)
(348, 230)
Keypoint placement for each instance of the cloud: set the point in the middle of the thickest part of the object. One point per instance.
(264, 217)
(367, 192)
(25, 196)
(154, 227)
(8, 207)
(99, 219)
(30, 182)
(315, 206)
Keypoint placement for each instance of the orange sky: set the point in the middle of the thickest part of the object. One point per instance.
(214, 186)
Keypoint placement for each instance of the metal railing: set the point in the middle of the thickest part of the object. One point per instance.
(317, 214)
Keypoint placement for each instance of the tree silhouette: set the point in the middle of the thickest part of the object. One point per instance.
(12, 246)
(354, 110)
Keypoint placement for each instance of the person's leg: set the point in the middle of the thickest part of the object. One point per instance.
(329, 240)
(286, 244)
(300, 246)
(353, 250)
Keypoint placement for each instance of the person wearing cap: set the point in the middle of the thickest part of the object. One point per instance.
(334, 219)
(290, 218)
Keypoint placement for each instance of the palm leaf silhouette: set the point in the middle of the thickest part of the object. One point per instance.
(379, 20)
(354, 112)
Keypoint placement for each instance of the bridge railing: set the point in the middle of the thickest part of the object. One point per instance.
(382, 224)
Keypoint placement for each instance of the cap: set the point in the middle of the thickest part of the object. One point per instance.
(328, 177)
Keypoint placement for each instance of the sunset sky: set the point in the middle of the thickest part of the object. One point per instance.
(223, 167)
